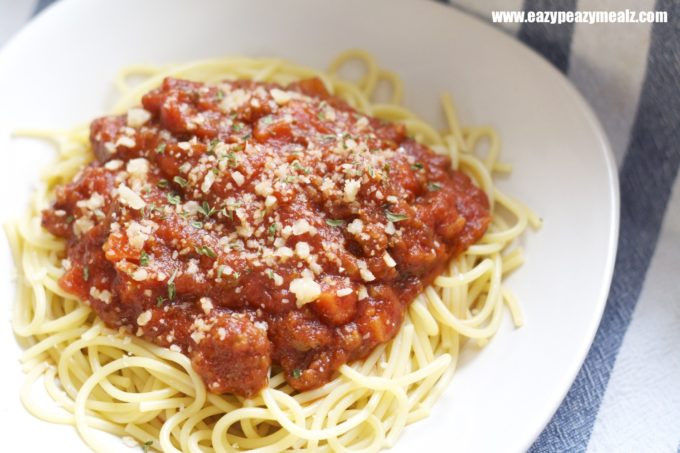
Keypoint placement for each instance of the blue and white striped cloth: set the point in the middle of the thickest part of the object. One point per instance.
(626, 397)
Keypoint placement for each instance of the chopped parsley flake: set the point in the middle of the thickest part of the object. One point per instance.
(226, 213)
(160, 300)
(417, 166)
(237, 127)
(267, 120)
(172, 292)
(272, 229)
(173, 198)
(181, 181)
(144, 259)
(149, 209)
(298, 166)
(433, 186)
(197, 224)
(163, 183)
(160, 149)
(86, 273)
(335, 222)
(206, 210)
(231, 159)
(394, 217)
(146, 445)
(205, 250)
(297, 372)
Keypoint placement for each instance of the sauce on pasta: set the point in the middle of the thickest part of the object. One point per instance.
(250, 225)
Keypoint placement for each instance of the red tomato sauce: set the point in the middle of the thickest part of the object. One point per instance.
(249, 226)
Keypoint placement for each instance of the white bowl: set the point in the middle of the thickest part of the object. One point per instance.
(58, 72)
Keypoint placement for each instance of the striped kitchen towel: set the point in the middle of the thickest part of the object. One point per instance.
(626, 397)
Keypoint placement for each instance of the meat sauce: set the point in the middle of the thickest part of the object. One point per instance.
(250, 225)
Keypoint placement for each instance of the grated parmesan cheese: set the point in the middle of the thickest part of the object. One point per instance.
(208, 181)
(206, 305)
(270, 201)
(306, 290)
(264, 188)
(126, 141)
(144, 318)
(280, 97)
(113, 165)
(238, 178)
(284, 252)
(136, 117)
(302, 250)
(355, 227)
(366, 275)
(140, 274)
(102, 295)
(95, 201)
(351, 189)
(137, 234)
(197, 336)
(301, 227)
(138, 168)
(129, 197)
(344, 292)
(82, 225)
(234, 100)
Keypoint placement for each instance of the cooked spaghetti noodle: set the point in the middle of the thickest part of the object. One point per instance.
(101, 379)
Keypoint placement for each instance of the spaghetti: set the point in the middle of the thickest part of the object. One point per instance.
(110, 381)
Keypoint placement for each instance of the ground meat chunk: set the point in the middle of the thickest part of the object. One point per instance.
(233, 354)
